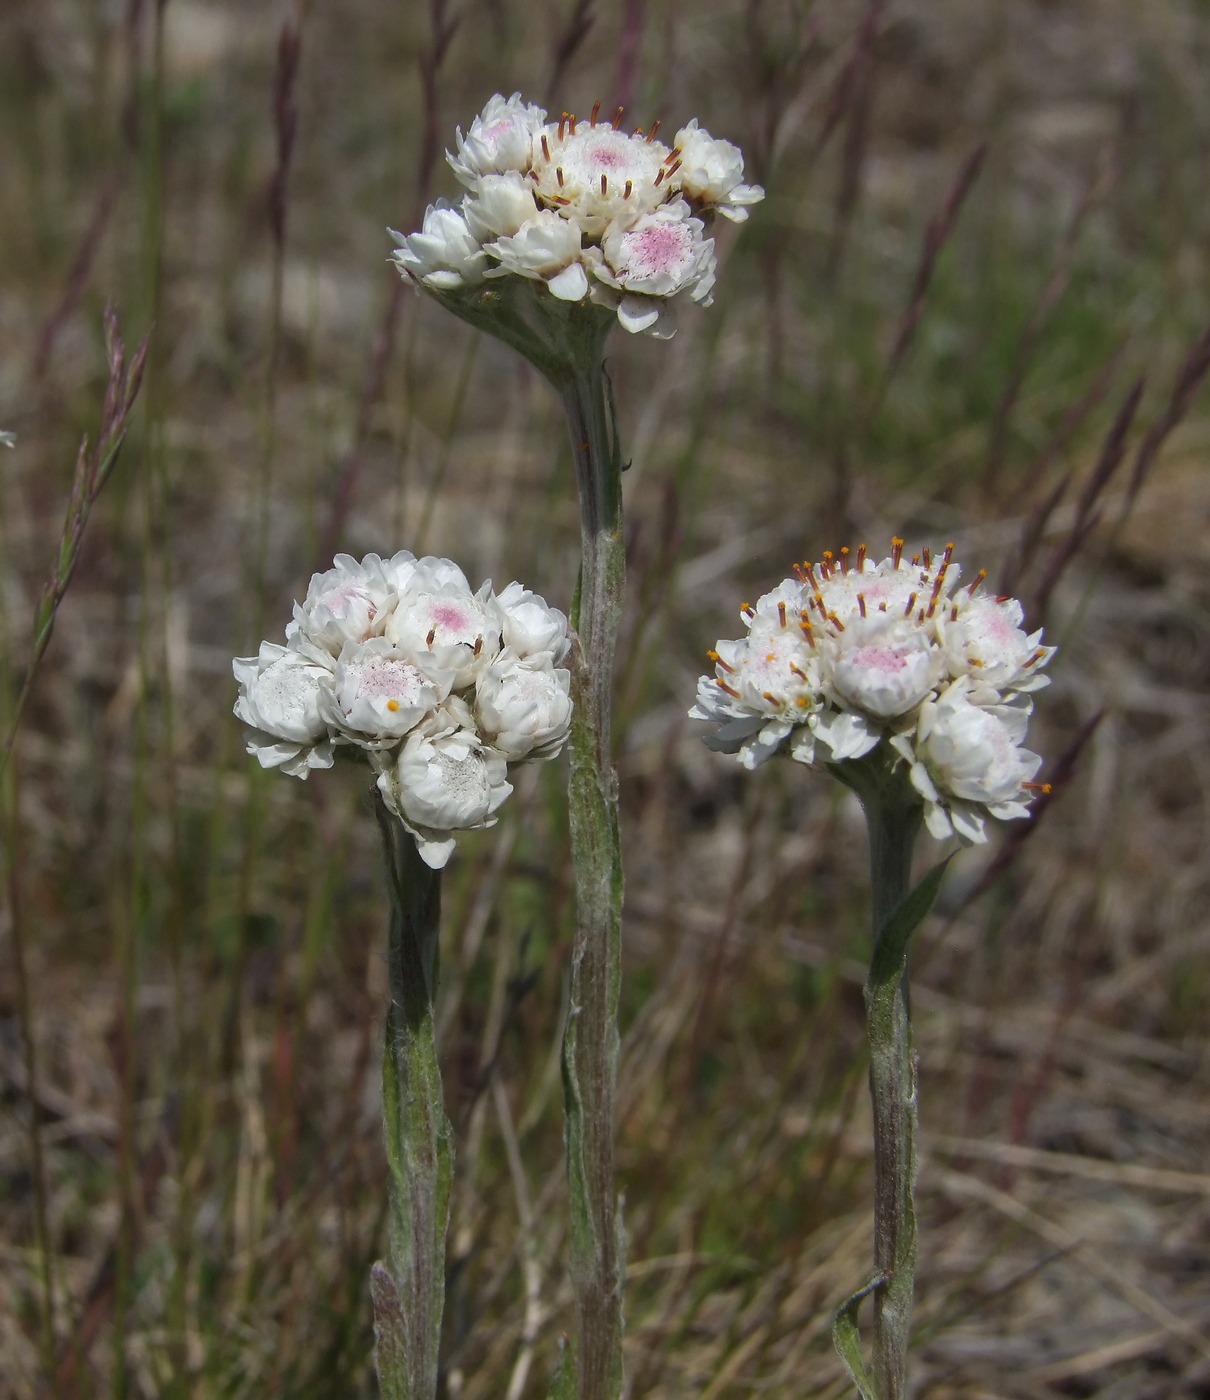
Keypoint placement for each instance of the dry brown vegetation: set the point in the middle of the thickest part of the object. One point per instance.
(203, 943)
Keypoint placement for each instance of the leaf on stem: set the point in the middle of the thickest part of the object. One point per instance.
(845, 1335)
(890, 949)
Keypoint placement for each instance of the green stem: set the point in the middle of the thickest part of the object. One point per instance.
(893, 819)
(566, 342)
(590, 1049)
(409, 1290)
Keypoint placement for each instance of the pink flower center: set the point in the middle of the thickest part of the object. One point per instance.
(607, 155)
(384, 676)
(449, 615)
(657, 248)
(879, 658)
(337, 600)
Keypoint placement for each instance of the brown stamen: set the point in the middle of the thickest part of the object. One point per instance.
(928, 558)
(976, 581)
(659, 175)
(617, 119)
(722, 685)
(559, 175)
(604, 187)
(478, 646)
(1044, 788)
(911, 603)
(428, 641)
(627, 190)
(545, 147)
(718, 661)
(562, 124)
(655, 126)
(571, 124)
(781, 613)
(896, 550)
(861, 558)
(596, 108)
(836, 622)
(861, 603)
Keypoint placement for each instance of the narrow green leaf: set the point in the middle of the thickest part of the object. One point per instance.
(847, 1340)
(890, 949)
(563, 1382)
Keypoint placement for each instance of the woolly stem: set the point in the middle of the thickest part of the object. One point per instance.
(893, 819)
(590, 1050)
(409, 1289)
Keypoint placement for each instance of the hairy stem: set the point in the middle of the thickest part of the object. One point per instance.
(590, 1051)
(893, 822)
(409, 1289)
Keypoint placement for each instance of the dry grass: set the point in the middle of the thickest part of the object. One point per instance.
(205, 941)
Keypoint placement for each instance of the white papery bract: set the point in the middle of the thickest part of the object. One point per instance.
(438, 687)
(852, 654)
(583, 208)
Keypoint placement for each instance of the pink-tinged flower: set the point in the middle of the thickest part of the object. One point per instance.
(501, 138)
(347, 603)
(889, 654)
(381, 692)
(655, 258)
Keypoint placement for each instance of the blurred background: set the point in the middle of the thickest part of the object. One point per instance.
(972, 308)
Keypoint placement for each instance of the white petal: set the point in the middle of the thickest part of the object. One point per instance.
(636, 314)
(571, 284)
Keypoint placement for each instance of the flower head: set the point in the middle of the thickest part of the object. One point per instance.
(445, 255)
(582, 208)
(438, 687)
(501, 138)
(281, 699)
(852, 654)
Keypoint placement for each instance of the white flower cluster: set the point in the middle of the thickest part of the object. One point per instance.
(441, 688)
(586, 208)
(851, 653)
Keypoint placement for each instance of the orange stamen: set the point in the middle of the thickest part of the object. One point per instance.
(1044, 788)
(976, 581)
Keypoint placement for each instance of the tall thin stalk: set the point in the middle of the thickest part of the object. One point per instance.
(590, 1050)
(893, 814)
(409, 1288)
(566, 342)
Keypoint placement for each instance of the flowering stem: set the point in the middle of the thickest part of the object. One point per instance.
(892, 826)
(566, 342)
(590, 1050)
(893, 812)
(409, 1290)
